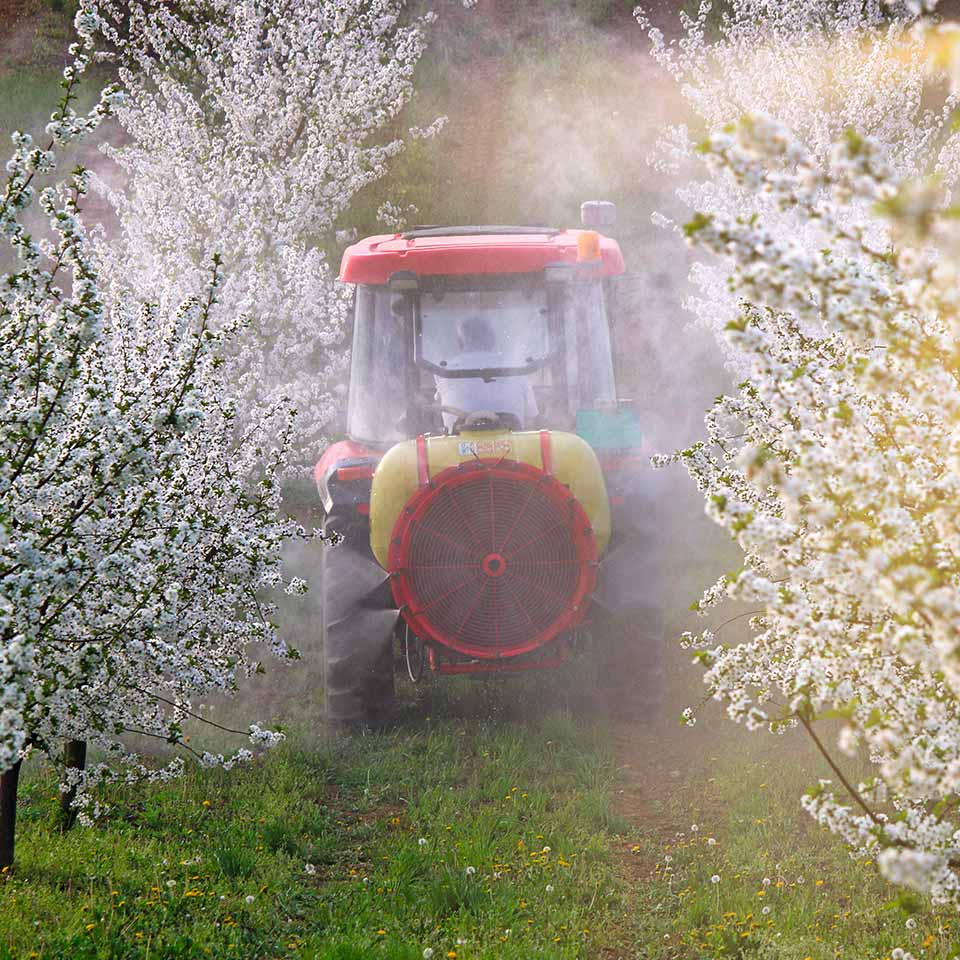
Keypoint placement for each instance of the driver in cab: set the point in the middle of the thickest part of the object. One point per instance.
(507, 396)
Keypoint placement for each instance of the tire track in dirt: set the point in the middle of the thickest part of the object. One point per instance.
(13, 25)
(655, 778)
(647, 797)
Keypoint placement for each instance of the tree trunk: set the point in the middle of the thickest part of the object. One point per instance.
(9, 780)
(75, 757)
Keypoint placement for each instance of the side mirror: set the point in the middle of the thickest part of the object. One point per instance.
(598, 214)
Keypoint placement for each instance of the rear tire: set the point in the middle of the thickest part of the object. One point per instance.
(357, 628)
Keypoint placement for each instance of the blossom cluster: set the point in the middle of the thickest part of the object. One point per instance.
(139, 528)
(821, 67)
(834, 279)
(835, 468)
(248, 129)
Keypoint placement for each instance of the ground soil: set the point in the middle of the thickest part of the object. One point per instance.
(12, 17)
(10, 11)
(33, 36)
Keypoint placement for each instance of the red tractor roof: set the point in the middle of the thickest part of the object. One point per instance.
(463, 250)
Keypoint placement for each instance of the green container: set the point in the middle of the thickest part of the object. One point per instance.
(610, 430)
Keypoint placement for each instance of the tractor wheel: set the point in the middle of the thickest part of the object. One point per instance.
(357, 624)
(628, 662)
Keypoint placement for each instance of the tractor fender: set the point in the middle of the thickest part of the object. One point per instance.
(343, 476)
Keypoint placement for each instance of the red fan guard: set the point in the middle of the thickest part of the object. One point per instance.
(492, 558)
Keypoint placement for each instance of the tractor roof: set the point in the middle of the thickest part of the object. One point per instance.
(438, 251)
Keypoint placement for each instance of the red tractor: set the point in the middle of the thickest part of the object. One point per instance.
(495, 508)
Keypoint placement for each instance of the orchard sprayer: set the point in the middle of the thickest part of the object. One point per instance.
(494, 504)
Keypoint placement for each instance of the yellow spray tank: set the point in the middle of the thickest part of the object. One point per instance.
(491, 538)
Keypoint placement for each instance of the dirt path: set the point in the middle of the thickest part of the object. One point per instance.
(12, 17)
(33, 37)
(658, 774)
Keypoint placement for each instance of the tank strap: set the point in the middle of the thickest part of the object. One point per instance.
(423, 469)
(546, 459)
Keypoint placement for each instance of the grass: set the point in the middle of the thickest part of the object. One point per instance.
(786, 888)
(490, 822)
(485, 838)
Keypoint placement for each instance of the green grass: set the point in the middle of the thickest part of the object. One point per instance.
(516, 859)
(26, 102)
(531, 846)
(787, 889)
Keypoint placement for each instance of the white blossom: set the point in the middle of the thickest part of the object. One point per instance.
(247, 133)
(139, 530)
(835, 463)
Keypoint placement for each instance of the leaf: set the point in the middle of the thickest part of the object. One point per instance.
(696, 224)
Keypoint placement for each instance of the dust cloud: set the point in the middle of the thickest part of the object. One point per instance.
(537, 127)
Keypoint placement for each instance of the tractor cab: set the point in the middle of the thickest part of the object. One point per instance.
(484, 492)
(491, 326)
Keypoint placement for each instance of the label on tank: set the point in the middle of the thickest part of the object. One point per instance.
(500, 447)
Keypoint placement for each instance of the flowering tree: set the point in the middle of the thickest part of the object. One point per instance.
(251, 125)
(138, 526)
(834, 464)
(821, 67)
(835, 467)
